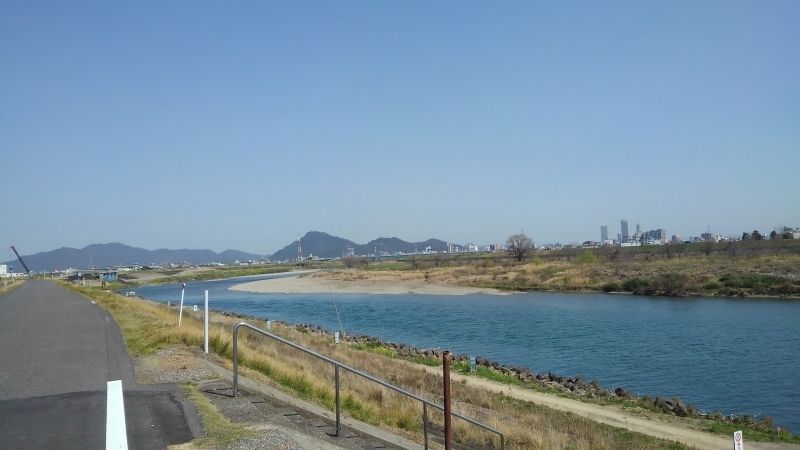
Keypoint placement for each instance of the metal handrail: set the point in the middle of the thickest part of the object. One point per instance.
(337, 365)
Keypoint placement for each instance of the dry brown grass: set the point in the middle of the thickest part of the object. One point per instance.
(8, 284)
(148, 327)
(699, 273)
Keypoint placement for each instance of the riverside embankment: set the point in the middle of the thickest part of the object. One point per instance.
(149, 328)
(733, 356)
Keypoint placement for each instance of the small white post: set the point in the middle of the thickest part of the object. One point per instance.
(205, 325)
(269, 325)
(180, 310)
(738, 440)
(336, 337)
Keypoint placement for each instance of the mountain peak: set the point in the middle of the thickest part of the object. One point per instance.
(324, 245)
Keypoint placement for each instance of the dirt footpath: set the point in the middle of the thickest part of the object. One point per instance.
(617, 417)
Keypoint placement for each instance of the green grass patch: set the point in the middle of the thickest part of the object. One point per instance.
(218, 430)
(751, 433)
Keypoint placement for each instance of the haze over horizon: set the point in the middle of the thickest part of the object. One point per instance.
(202, 125)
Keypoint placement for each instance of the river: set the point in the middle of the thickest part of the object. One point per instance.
(737, 356)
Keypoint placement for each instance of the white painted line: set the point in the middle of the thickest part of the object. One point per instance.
(116, 435)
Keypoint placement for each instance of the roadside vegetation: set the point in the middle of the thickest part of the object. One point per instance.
(148, 327)
(219, 431)
(8, 284)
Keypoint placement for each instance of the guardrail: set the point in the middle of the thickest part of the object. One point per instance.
(337, 365)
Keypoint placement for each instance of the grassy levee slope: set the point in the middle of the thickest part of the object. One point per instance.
(148, 327)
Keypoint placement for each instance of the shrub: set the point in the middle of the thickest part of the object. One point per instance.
(637, 285)
(669, 284)
(611, 286)
(587, 257)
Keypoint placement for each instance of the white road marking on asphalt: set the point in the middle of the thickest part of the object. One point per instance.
(108, 319)
(116, 434)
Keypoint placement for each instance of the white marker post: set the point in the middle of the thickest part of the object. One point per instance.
(180, 311)
(738, 441)
(205, 324)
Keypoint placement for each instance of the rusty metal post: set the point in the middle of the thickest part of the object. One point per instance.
(448, 431)
(425, 423)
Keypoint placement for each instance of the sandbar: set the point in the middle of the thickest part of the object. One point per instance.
(320, 285)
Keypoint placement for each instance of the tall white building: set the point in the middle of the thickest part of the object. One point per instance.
(3, 270)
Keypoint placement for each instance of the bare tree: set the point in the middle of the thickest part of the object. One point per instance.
(518, 245)
(708, 247)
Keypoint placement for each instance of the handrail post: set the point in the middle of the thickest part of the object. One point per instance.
(338, 365)
(235, 361)
(448, 432)
(338, 404)
(425, 423)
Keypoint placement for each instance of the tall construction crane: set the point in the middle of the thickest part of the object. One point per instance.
(28, 271)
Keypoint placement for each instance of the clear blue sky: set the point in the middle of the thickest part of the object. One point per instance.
(237, 125)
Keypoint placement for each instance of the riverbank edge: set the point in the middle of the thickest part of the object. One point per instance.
(687, 295)
(574, 388)
(403, 288)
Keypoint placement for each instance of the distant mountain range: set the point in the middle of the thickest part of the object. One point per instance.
(115, 254)
(325, 245)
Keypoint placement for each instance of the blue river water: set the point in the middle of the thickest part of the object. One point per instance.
(739, 356)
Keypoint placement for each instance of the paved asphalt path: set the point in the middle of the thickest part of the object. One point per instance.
(58, 351)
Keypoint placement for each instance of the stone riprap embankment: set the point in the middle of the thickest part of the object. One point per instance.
(576, 386)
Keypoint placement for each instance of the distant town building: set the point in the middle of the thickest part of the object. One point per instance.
(349, 252)
(603, 233)
(3, 270)
(676, 239)
(623, 224)
(787, 231)
(655, 237)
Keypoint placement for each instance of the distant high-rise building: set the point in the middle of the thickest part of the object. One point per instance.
(603, 233)
(623, 224)
(619, 237)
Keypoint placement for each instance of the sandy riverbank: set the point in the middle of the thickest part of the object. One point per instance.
(319, 284)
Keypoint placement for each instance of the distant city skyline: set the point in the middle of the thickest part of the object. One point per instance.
(203, 125)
